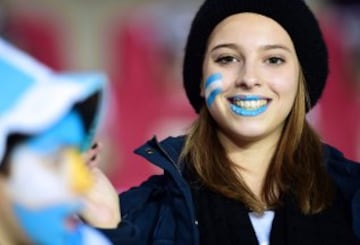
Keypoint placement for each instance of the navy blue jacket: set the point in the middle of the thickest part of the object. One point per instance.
(161, 210)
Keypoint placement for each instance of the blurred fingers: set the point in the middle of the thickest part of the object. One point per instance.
(92, 156)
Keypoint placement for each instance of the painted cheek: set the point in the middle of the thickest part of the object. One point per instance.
(47, 225)
(213, 87)
(32, 182)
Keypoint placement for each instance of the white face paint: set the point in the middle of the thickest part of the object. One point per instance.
(47, 190)
(37, 181)
(213, 87)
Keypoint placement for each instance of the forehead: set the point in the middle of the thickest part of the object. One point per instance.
(250, 26)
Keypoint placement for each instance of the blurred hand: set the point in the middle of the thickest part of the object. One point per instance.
(102, 208)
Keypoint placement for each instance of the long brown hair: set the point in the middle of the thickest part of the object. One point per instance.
(296, 169)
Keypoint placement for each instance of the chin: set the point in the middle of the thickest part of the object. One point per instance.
(251, 134)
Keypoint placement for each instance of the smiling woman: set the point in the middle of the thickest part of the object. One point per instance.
(262, 95)
(259, 67)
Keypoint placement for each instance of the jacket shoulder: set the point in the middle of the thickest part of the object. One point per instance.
(344, 172)
(346, 176)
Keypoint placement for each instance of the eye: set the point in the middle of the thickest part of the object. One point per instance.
(275, 60)
(223, 60)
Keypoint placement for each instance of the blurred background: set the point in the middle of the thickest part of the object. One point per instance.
(139, 44)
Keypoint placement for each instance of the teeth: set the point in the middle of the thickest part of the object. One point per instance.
(250, 104)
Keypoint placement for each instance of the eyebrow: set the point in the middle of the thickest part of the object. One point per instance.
(224, 45)
(265, 47)
(276, 46)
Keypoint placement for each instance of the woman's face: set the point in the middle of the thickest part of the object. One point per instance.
(251, 76)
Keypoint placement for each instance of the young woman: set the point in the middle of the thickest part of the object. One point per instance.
(251, 170)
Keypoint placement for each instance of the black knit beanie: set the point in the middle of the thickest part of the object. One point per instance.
(293, 15)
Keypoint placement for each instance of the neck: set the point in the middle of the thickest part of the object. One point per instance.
(252, 159)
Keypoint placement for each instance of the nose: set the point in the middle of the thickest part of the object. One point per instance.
(248, 77)
(80, 177)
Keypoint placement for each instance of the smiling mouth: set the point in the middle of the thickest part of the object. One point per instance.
(249, 105)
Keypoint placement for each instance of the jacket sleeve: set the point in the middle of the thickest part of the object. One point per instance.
(346, 175)
(125, 233)
(139, 209)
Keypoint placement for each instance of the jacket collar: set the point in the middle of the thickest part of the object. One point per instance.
(164, 154)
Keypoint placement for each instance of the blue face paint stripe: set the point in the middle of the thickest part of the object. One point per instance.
(213, 78)
(210, 100)
(216, 77)
(47, 225)
(68, 131)
(214, 85)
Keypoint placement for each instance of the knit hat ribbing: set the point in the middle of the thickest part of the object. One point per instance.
(293, 15)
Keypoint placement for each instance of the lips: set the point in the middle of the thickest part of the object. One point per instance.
(249, 105)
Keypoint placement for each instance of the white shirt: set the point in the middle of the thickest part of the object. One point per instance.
(262, 223)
